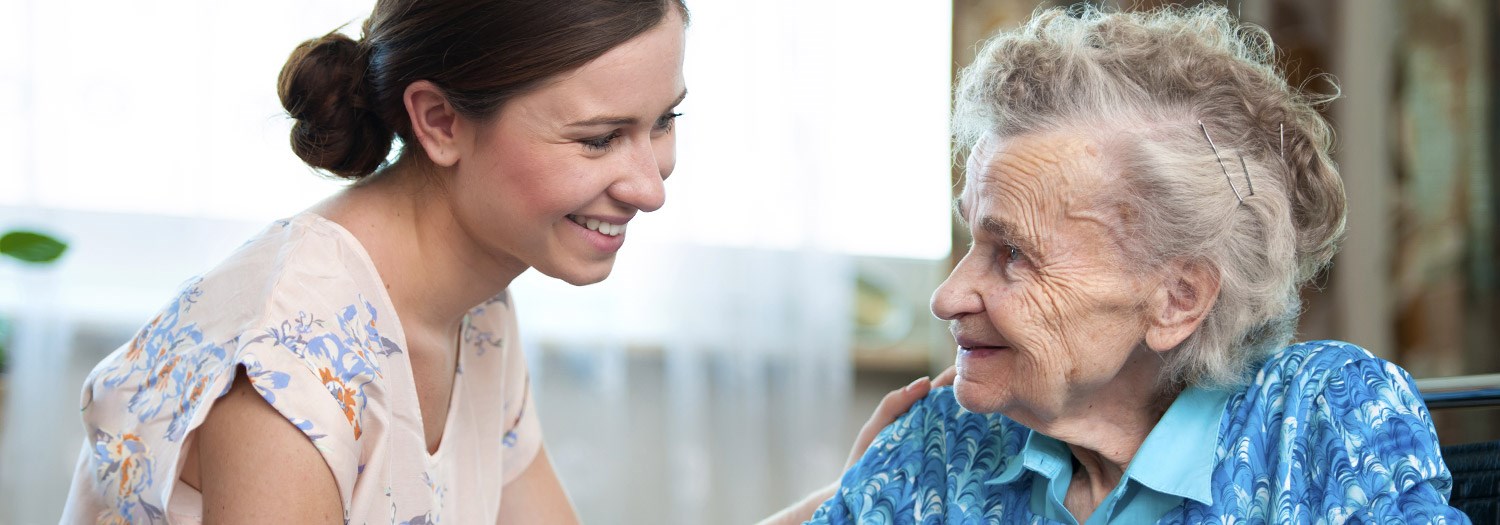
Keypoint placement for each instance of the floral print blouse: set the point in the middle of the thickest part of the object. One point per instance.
(301, 310)
(1325, 433)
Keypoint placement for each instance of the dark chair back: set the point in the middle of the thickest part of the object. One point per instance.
(1475, 466)
(1476, 479)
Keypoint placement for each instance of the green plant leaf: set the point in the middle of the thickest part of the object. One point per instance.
(31, 247)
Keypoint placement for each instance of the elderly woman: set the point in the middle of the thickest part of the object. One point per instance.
(1146, 195)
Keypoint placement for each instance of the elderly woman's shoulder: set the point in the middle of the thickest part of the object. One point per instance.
(940, 414)
(1318, 359)
(937, 424)
(1336, 372)
(1310, 356)
(939, 417)
(941, 408)
(1329, 424)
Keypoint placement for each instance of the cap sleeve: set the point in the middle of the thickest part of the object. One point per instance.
(294, 388)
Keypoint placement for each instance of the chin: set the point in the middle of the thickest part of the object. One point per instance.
(976, 398)
(584, 281)
(584, 276)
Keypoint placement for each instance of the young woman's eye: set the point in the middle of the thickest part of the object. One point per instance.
(601, 143)
(665, 122)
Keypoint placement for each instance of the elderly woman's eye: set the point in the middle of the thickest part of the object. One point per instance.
(1012, 253)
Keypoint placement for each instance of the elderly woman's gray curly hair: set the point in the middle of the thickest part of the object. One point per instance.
(1140, 83)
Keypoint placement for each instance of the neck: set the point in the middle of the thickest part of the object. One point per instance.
(1105, 428)
(433, 270)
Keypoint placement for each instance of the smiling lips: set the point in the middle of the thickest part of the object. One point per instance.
(606, 228)
(977, 348)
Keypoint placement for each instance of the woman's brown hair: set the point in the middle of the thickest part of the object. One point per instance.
(346, 96)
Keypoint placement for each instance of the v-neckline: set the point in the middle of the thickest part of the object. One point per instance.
(410, 384)
(453, 397)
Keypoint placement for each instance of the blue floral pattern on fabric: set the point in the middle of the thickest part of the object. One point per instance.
(126, 461)
(345, 361)
(1325, 433)
(170, 365)
(164, 377)
(480, 339)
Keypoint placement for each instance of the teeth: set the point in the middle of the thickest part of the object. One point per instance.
(598, 226)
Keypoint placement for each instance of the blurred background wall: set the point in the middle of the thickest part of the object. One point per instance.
(754, 322)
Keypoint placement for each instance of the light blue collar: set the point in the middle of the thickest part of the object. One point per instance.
(1178, 455)
(1176, 461)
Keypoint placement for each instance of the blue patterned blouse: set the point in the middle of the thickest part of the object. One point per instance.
(1325, 433)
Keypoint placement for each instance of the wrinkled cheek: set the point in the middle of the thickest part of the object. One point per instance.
(1035, 331)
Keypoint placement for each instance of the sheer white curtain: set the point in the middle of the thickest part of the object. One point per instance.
(706, 381)
(814, 133)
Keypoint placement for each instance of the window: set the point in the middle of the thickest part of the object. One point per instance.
(809, 125)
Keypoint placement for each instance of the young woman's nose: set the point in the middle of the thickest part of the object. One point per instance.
(641, 183)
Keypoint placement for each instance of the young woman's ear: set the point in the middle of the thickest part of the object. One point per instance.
(434, 122)
(1186, 294)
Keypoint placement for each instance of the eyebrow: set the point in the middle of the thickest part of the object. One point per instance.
(1012, 234)
(621, 121)
(999, 228)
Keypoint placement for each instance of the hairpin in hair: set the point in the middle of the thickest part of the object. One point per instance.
(1282, 135)
(1249, 186)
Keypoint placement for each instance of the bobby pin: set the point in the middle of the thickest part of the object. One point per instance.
(1249, 185)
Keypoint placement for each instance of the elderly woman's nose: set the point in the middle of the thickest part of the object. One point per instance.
(955, 297)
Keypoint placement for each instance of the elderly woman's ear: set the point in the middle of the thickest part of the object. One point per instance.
(1183, 297)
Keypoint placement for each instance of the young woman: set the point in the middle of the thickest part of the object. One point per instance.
(357, 363)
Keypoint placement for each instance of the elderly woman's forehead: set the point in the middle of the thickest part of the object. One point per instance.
(1061, 156)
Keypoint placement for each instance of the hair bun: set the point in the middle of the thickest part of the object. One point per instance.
(322, 87)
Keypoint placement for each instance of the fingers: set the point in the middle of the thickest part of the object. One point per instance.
(897, 402)
(946, 378)
(894, 404)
